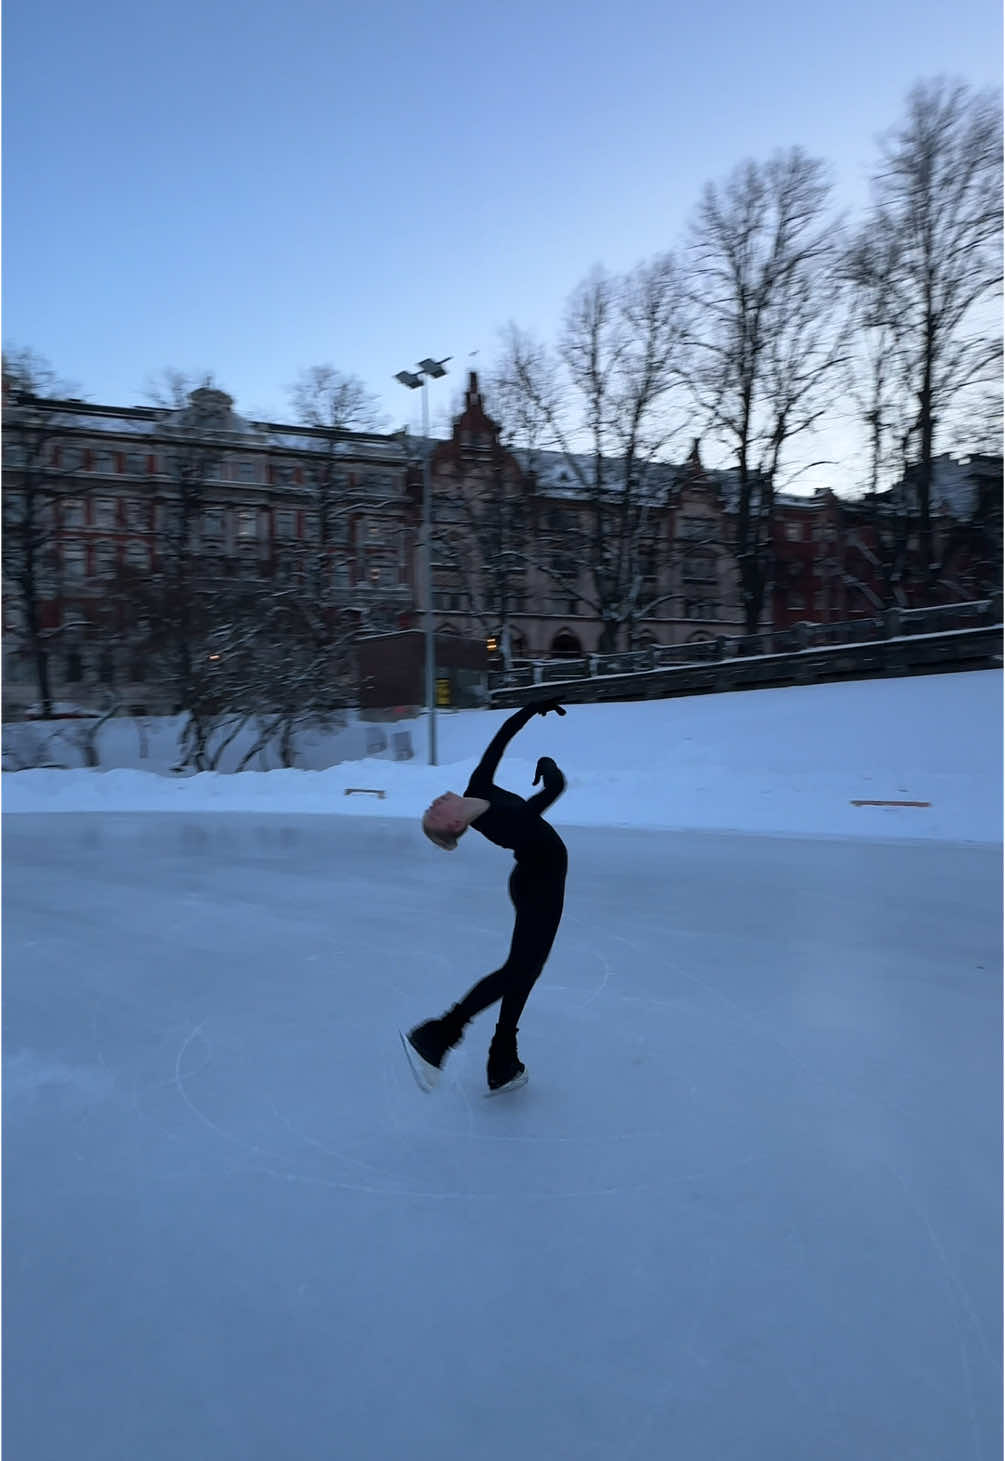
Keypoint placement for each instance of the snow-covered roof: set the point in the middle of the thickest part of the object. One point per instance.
(287, 438)
(563, 474)
(228, 428)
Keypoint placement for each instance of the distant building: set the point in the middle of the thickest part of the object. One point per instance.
(849, 558)
(93, 493)
(516, 534)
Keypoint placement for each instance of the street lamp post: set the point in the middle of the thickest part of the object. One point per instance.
(427, 370)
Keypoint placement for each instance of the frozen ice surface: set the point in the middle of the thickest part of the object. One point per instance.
(747, 1207)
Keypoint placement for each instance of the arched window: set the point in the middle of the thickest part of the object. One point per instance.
(565, 645)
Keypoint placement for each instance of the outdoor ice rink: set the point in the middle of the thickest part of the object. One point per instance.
(747, 1207)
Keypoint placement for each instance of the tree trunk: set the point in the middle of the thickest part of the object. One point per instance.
(926, 422)
(40, 655)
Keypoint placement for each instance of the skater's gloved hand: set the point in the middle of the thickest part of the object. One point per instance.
(543, 706)
(545, 767)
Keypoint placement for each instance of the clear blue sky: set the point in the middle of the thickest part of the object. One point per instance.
(252, 189)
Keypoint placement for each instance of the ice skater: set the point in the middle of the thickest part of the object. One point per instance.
(537, 891)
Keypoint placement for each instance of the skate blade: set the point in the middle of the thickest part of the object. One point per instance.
(513, 1085)
(426, 1076)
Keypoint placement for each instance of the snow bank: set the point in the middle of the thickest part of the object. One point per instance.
(789, 761)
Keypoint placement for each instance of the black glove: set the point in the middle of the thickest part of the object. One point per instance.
(544, 765)
(543, 706)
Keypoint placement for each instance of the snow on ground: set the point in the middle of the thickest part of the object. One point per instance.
(748, 1205)
(782, 761)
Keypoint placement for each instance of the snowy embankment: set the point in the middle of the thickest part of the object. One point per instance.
(771, 761)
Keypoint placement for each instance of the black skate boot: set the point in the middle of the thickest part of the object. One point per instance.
(505, 1070)
(426, 1047)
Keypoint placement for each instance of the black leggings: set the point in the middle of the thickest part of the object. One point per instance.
(538, 894)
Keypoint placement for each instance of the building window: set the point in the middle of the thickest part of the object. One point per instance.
(106, 512)
(700, 568)
(13, 617)
(213, 524)
(247, 471)
(820, 600)
(692, 529)
(106, 463)
(13, 508)
(71, 458)
(106, 557)
(286, 522)
(282, 474)
(74, 667)
(106, 667)
(796, 601)
(136, 464)
(340, 574)
(700, 609)
(74, 562)
(247, 523)
(566, 646)
(138, 556)
(137, 516)
(794, 532)
(311, 527)
(73, 512)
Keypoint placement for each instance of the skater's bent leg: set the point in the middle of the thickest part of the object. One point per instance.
(532, 945)
(528, 971)
(529, 946)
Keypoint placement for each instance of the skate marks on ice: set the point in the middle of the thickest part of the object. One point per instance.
(309, 1121)
(395, 1157)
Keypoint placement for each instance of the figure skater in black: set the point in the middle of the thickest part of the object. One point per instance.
(537, 890)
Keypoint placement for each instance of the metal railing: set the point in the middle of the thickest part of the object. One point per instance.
(888, 624)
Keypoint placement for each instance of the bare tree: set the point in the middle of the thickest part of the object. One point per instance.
(177, 598)
(938, 199)
(39, 475)
(603, 402)
(877, 363)
(326, 397)
(339, 408)
(769, 336)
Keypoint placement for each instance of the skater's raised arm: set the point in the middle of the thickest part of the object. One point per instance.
(481, 778)
(554, 784)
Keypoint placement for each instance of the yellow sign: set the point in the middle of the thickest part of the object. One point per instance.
(443, 692)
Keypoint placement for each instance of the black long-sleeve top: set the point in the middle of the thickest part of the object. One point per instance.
(511, 821)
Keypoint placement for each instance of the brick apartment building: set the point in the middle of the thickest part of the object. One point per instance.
(98, 489)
